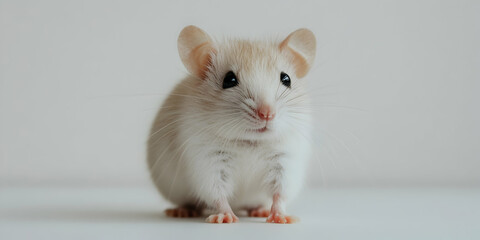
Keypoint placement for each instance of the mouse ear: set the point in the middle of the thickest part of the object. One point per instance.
(301, 45)
(195, 48)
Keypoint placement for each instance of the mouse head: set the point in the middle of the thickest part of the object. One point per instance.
(249, 90)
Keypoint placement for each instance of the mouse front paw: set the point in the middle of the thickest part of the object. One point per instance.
(222, 218)
(281, 218)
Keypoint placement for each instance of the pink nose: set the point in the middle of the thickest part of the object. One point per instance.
(265, 112)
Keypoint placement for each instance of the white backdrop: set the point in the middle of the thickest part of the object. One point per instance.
(396, 85)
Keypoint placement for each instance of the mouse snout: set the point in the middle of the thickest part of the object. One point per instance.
(265, 112)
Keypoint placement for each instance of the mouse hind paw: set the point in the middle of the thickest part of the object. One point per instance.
(258, 212)
(183, 212)
(281, 218)
(222, 218)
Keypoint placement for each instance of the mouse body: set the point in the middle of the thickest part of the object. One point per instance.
(235, 134)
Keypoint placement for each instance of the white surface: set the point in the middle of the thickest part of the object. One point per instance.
(395, 85)
(136, 213)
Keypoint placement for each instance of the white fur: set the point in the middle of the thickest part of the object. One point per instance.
(202, 149)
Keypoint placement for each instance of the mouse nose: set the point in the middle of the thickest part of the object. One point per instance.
(265, 112)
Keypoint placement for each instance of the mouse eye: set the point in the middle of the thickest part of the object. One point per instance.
(285, 79)
(230, 80)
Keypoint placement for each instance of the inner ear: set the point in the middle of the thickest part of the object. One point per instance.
(301, 46)
(195, 48)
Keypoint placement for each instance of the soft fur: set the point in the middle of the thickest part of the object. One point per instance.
(204, 150)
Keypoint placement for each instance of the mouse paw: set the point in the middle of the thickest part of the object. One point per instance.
(258, 212)
(182, 212)
(222, 218)
(281, 218)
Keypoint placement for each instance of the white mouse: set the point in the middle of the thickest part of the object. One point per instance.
(235, 134)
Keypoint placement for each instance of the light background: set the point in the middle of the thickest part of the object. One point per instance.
(395, 85)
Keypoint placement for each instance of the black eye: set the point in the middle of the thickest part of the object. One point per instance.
(230, 80)
(285, 79)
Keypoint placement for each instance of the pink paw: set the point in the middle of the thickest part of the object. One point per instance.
(280, 218)
(222, 218)
(259, 212)
(182, 212)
